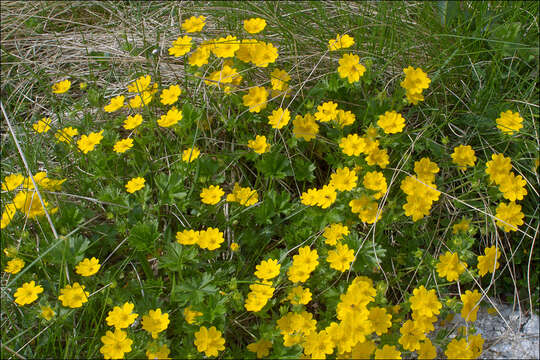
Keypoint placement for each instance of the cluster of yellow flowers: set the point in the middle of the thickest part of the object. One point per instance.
(72, 296)
(357, 314)
(242, 195)
(420, 189)
(513, 188)
(26, 199)
(210, 238)
(416, 81)
(261, 293)
(116, 344)
(303, 264)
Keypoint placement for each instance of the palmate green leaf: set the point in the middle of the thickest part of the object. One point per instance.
(193, 290)
(72, 251)
(303, 170)
(274, 164)
(143, 235)
(176, 255)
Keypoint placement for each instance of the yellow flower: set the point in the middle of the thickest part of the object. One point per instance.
(123, 145)
(61, 87)
(410, 336)
(366, 209)
(450, 267)
(73, 296)
(416, 80)
(414, 98)
(194, 24)
(425, 303)
(263, 54)
(83, 86)
(189, 155)
(121, 316)
(458, 349)
(463, 156)
(498, 167)
(12, 181)
(378, 157)
(27, 293)
(170, 95)
(509, 122)
(181, 46)
(115, 345)
(341, 258)
(133, 121)
(463, 225)
(391, 122)
(426, 170)
(299, 295)
(42, 125)
(471, 302)
(340, 42)
(209, 341)
(427, 350)
(155, 322)
(199, 56)
(350, 68)
(279, 118)
(305, 127)
(268, 269)
(155, 353)
(259, 145)
(14, 266)
(135, 184)
(172, 118)
(66, 134)
(210, 239)
(187, 237)
(363, 350)
(256, 99)
(380, 320)
(375, 180)
(261, 347)
(47, 312)
(88, 267)
(334, 232)
(212, 194)
(344, 179)
(387, 352)
(345, 118)
(190, 315)
(352, 145)
(254, 25)
(227, 75)
(318, 345)
(115, 104)
(225, 47)
(511, 215)
(488, 262)
(279, 79)
(326, 111)
(243, 195)
(140, 84)
(513, 187)
(29, 204)
(88, 142)
(234, 246)
(141, 100)
(326, 196)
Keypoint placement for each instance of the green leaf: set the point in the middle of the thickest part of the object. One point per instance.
(274, 164)
(143, 236)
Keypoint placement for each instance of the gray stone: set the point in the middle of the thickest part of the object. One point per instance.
(508, 334)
